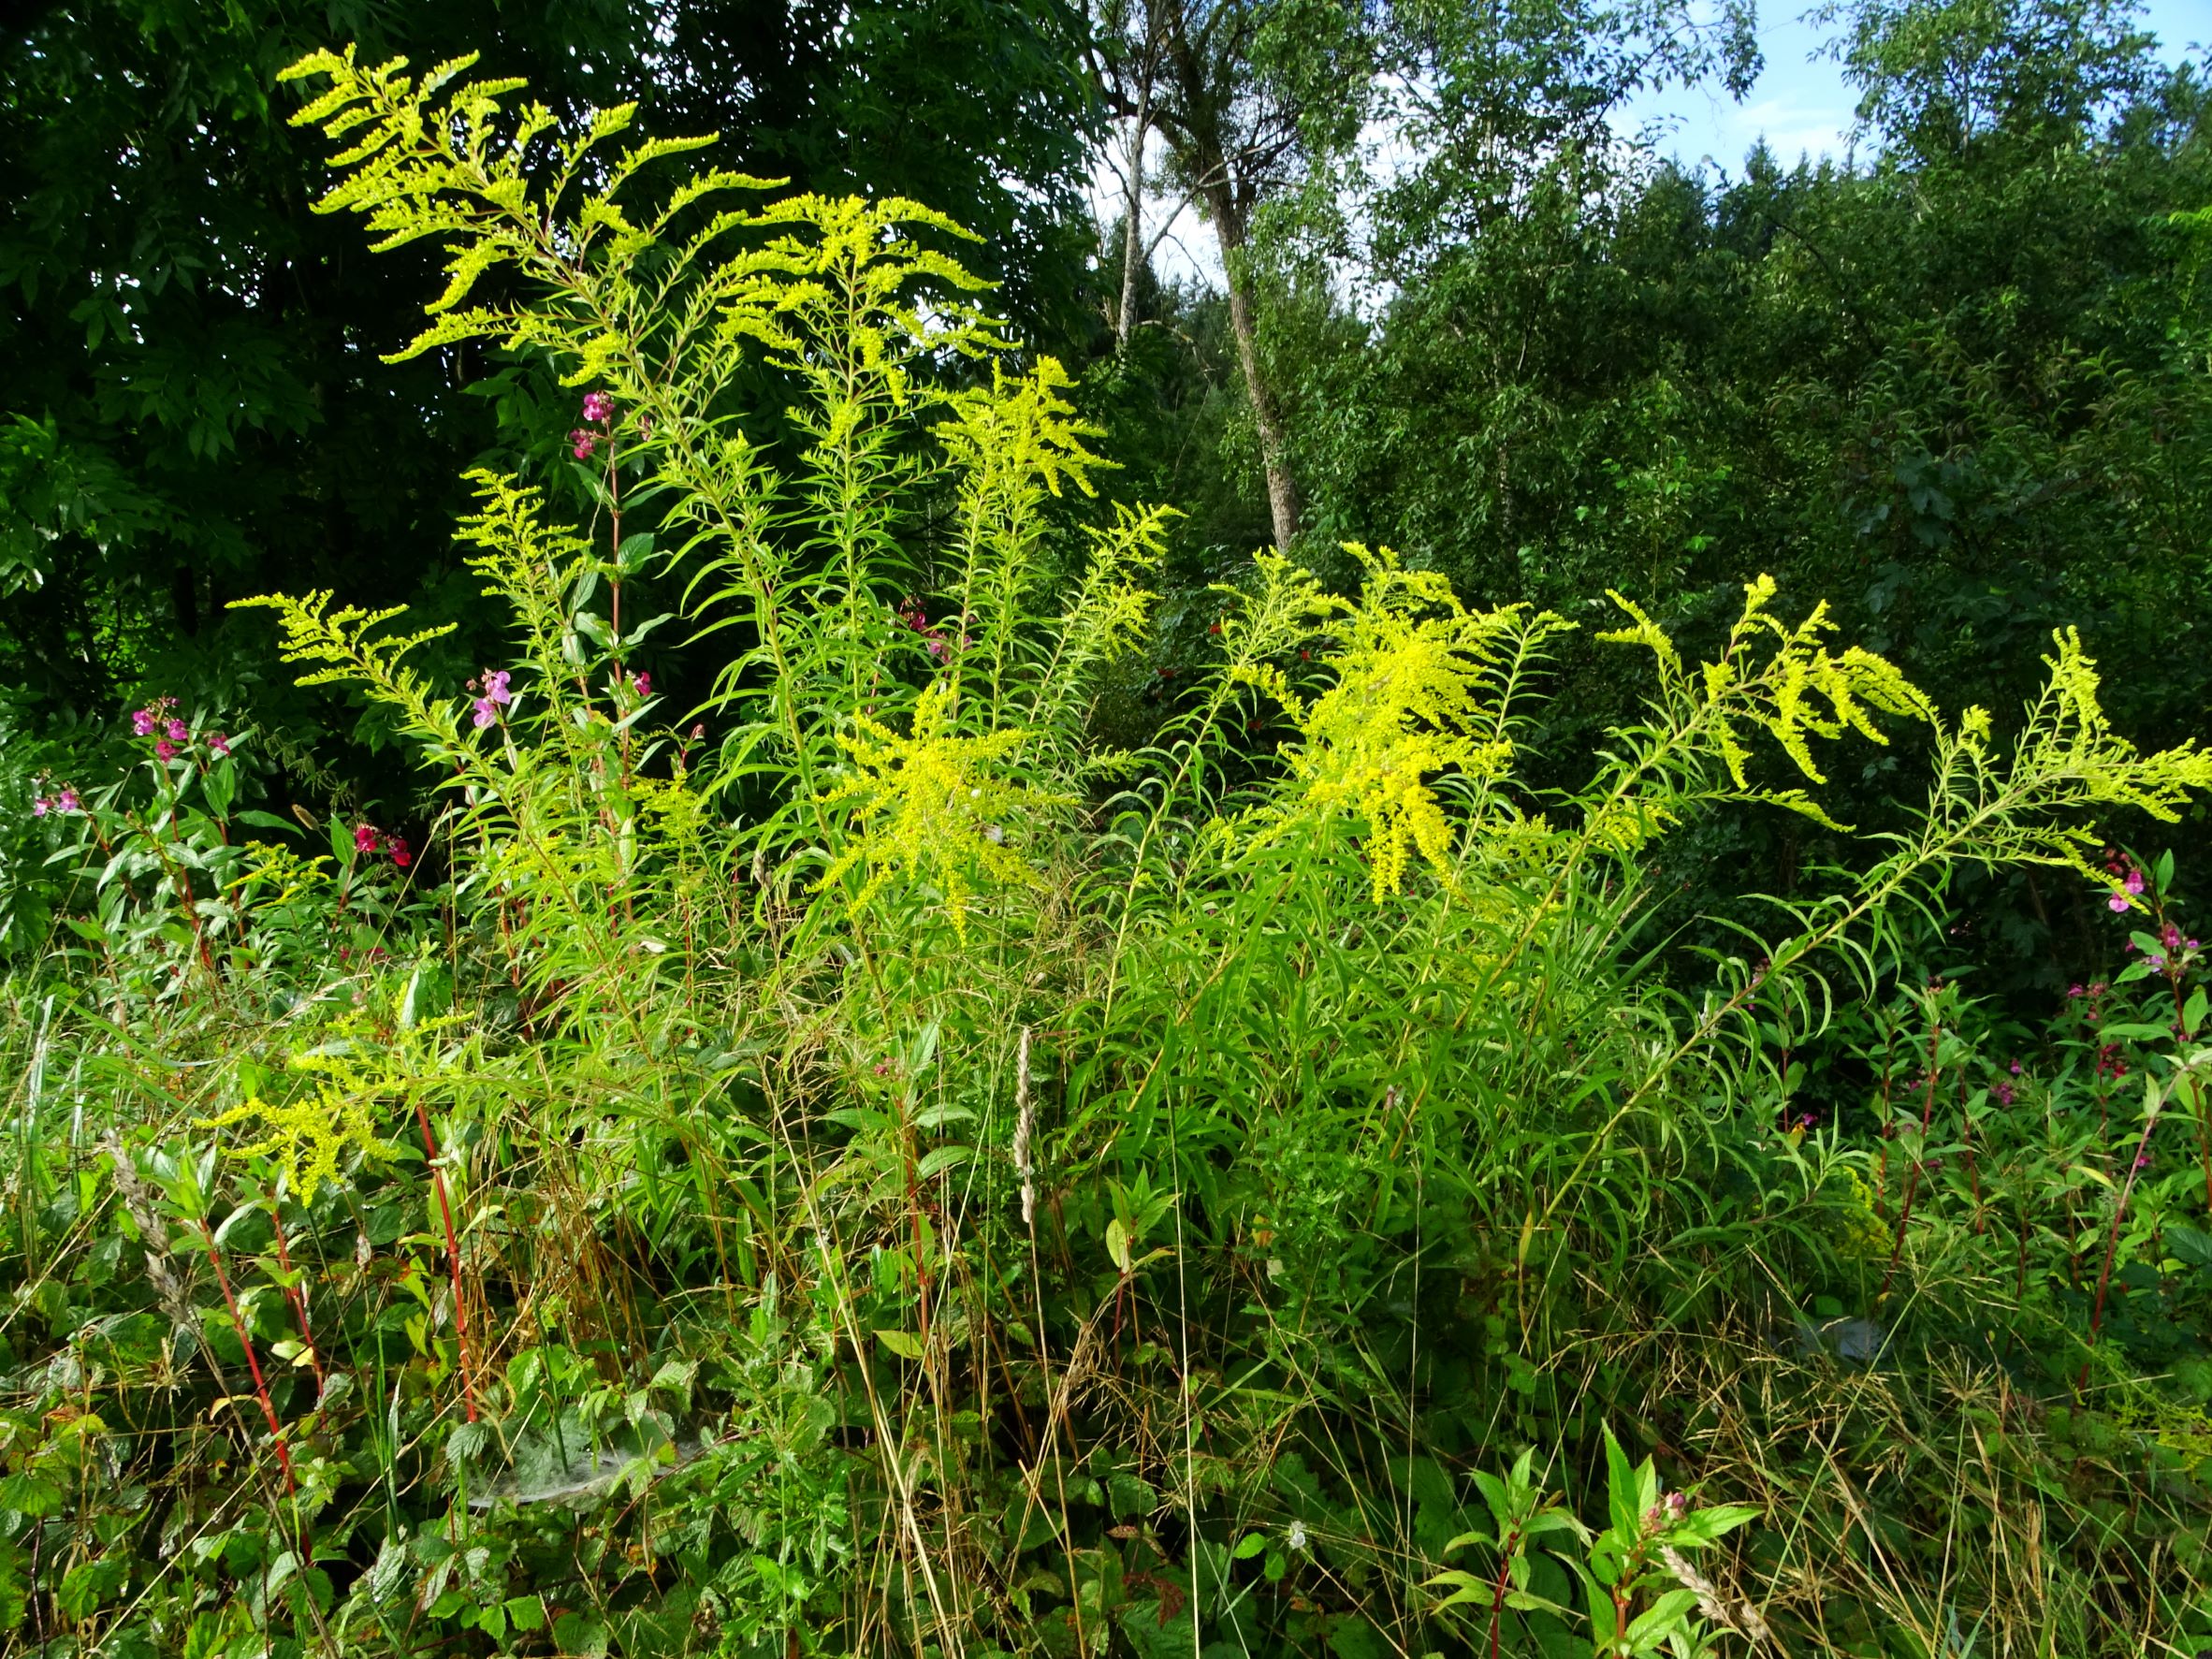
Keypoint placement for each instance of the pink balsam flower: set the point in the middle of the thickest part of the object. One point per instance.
(495, 695)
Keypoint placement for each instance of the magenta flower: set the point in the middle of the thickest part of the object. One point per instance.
(39, 806)
(2015, 1068)
(164, 749)
(582, 443)
(218, 745)
(365, 837)
(2117, 903)
(2073, 990)
(495, 694)
(66, 801)
(2135, 881)
(177, 732)
(598, 406)
(142, 723)
(2003, 1092)
(401, 855)
(644, 684)
(2143, 1159)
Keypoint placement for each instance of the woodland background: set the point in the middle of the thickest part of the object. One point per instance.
(1957, 386)
(925, 1003)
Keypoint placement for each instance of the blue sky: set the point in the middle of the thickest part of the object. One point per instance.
(1803, 107)
(1799, 104)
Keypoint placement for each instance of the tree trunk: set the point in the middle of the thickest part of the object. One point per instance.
(1132, 241)
(1282, 489)
(1204, 150)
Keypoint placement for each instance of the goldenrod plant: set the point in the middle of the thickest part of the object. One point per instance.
(866, 1167)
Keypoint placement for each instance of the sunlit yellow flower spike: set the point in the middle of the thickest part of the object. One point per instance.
(309, 1135)
(932, 803)
(1412, 698)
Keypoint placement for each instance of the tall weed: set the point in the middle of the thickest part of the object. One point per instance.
(862, 1167)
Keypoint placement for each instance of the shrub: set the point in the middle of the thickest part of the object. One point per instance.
(863, 1166)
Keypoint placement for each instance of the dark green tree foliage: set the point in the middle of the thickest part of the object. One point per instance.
(1489, 100)
(194, 404)
(1265, 109)
(1937, 74)
(1959, 389)
(1247, 96)
(978, 107)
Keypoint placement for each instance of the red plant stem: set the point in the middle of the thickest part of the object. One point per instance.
(1965, 1136)
(2205, 1151)
(345, 889)
(461, 1305)
(223, 830)
(614, 586)
(2103, 1115)
(1888, 1128)
(924, 1280)
(184, 885)
(298, 1298)
(1497, 1600)
(107, 852)
(1623, 1596)
(2181, 1034)
(237, 1323)
(1905, 1214)
(2120, 1213)
(2135, 1167)
(2073, 1243)
(625, 683)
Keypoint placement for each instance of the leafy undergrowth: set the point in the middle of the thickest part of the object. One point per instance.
(863, 1170)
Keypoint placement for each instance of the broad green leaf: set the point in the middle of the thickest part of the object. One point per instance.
(902, 1343)
(1117, 1243)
